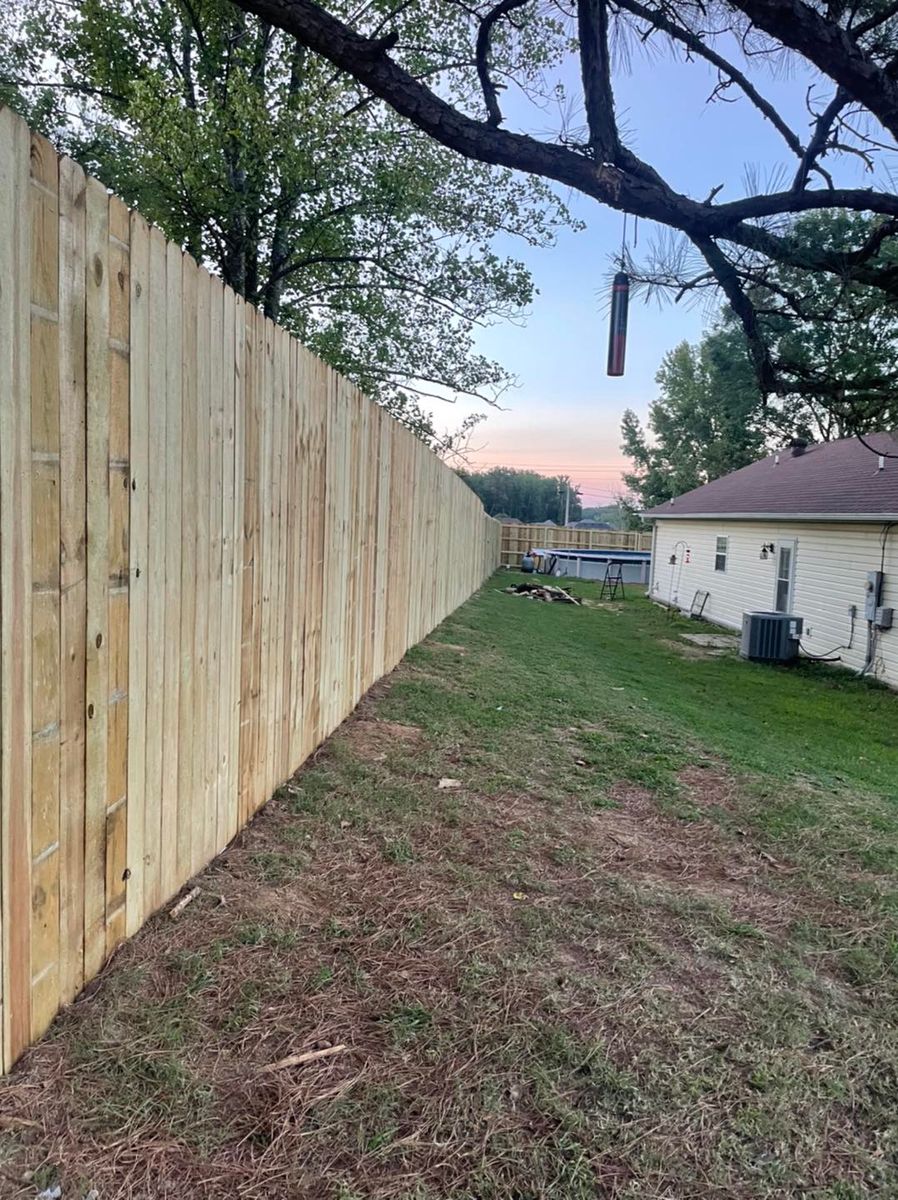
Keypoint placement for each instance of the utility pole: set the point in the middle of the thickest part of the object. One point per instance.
(567, 503)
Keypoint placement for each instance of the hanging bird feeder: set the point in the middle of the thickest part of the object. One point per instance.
(620, 304)
(617, 333)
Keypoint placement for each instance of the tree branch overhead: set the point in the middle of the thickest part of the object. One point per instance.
(735, 239)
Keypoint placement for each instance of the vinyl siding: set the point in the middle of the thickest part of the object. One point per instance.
(831, 564)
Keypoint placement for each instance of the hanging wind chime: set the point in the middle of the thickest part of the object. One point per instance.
(620, 303)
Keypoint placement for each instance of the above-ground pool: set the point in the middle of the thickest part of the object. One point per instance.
(592, 564)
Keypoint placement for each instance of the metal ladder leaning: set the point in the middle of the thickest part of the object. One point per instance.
(613, 583)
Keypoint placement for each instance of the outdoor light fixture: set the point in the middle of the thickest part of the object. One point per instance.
(766, 550)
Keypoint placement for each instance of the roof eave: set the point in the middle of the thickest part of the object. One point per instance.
(867, 518)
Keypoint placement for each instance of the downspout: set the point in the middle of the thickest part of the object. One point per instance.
(653, 560)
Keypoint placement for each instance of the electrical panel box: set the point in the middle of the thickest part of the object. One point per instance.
(883, 618)
(872, 594)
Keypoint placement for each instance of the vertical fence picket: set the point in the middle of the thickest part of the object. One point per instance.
(139, 436)
(72, 572)
(200, 844)
(155, 574)
(228, 589)
(118, 576)
(249, 608)
(45, 603)
(171, 646)
(213, 614)
(97, 645)
(187, 783)
(235, 633)
(15, 583)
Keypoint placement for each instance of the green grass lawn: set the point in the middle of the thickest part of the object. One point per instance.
(642, 943)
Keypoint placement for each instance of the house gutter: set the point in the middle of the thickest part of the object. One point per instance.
(833, 518)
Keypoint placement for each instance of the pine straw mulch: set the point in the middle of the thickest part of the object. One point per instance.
(535, 1000)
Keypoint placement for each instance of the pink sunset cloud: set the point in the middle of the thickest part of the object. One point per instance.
(587, 451)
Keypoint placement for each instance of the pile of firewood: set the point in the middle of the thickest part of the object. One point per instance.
(541, 591)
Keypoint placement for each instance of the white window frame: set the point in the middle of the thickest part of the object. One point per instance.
(792, 547)
(724, 554)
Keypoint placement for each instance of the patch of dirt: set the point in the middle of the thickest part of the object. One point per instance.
(636, 839)
(372, 739)
(694, 653)
(712, 641)
(450, 646)
(709, 787)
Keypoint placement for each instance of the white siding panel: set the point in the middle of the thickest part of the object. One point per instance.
(831, 564)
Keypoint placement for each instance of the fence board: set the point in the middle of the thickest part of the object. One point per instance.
(314, 574)
(213, 652)
(291, 482)
(201, 848)
(233, 821)
(266, 417)
(249, 607)
(139, 416)
(15, 583)
(226, 626)
(72, 571)
(276, 483)
(45, 681)
(155, 573)
(169, 882)
(187, 772)
(210, 546)
(118, 594)
(97, 657)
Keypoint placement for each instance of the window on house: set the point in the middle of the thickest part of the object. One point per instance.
(785, 570)
(720, 554)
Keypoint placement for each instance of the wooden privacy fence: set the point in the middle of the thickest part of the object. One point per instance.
(210, 546)
(518, 539)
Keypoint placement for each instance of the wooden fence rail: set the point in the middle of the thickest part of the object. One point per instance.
(210, 546)
(518, 539)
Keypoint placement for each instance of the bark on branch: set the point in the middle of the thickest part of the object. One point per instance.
(831, 49)
(595, 65)
(482, 56)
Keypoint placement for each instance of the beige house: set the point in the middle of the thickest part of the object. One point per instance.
(806, 531)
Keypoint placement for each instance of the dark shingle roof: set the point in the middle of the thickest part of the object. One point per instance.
(833, 479)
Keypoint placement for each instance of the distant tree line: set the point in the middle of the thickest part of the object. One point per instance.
(526, 495)
(608, 514)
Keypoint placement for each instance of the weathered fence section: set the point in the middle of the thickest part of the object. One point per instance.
(210, 546)
(518, 539)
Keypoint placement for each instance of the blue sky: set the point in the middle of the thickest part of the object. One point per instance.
(565, 415)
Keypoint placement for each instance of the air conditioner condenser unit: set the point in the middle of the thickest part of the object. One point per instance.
(770, 636)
